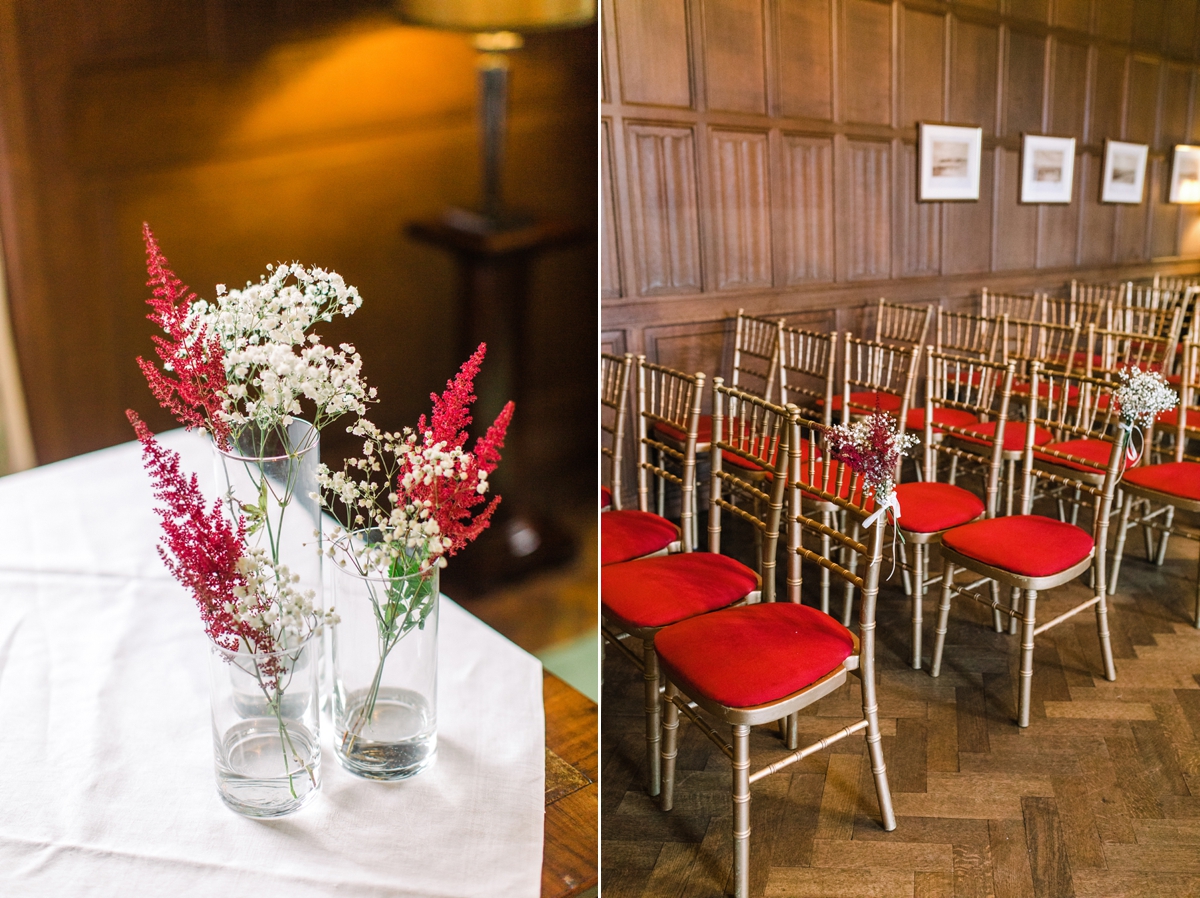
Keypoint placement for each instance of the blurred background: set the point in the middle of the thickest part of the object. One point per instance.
(328, 132)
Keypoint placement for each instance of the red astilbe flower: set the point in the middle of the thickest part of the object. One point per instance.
(199, 546)
(453, 499)
(195, 395)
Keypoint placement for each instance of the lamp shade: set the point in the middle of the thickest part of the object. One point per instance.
(497, 15)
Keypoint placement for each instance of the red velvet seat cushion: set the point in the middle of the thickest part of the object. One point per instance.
(629, 534)
(866, 401)
(1176, 478)
(1014, 434)
(674, 434)
(1171, 417)
(1095, 451)
(742, 657)
(1026, 544)
(930, 507)
(654, 592)
(955, 417)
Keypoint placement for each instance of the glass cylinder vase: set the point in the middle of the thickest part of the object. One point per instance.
(384, 651)
(269, 477)
(266, 727)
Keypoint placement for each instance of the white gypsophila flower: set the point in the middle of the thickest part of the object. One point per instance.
(272, 360)
(1142, 396)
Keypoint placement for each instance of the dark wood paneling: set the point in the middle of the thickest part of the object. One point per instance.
(808, 209)
(1058, 228)
(610, 259)
(1098, 219)
(870, 222)
(1189, 230)
(805, 60)
(1176, 95)
(1107, 95)
(1181, 27)
(1143, 100)
(920, 235)
(973, 72)
(968, 233)
(1024, 75)
(1131, 232)
(1016, 224)
(1073, 14)
(1114, 19)
(733, 56)
(923, 63)
(691, 347)
(653, 52)
(1037, 10)
(662, 176)
(1148, 24)
(741, 208)
(866, 73)
(1164, 226)
(1069, 101)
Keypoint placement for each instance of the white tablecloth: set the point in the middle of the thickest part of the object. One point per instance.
(106, 770)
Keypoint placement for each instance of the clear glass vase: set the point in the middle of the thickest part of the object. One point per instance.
(266, 728)
(269, 477)
(384, 652)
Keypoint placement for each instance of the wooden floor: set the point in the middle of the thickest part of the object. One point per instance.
(1098, 798)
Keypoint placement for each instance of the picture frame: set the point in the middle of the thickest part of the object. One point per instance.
(1047, 168)
(1185, 175)
(1124, 177)
(948, 162)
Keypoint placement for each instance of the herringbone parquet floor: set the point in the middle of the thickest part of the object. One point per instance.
(1098, 798)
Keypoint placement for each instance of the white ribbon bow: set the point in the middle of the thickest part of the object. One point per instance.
(891, 503)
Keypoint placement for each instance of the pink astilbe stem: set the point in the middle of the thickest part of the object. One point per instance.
(195, 395)
(454, 500)
(199, 546)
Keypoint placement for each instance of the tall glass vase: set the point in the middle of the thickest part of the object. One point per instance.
(269, 477)
(266, 727)
(384, 667)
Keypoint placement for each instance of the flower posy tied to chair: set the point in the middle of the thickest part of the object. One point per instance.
(412, 500)
(1141, 397)
(873, 448)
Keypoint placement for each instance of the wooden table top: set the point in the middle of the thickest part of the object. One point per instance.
(572, 794)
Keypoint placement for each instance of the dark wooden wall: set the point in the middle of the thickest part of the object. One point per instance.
(253, 131)
(761, 154)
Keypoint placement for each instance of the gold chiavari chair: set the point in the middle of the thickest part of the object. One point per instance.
(1069, 310)
(965, 335)
(763, 663)
(1014, 305)
(1024, 342)
(875, 375)
(807, 368)
(1030, 552)
(640, 598)
(665, 397)
(614, 400)
(959, 392)
(1170, 485)
(902, 324)
(1146, 338)
(1098, 293)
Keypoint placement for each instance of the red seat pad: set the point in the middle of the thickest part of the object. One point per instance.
(1095, 451)
(1176, 478)
(653, 592)
(1171, 417)
(742, 657)
(930, 507)
(629, 534)
(1014, 435)
(955, 417)
(1027, 544)
(605, 497)
(868, 400)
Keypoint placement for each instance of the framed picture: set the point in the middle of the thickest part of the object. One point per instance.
(1185, 175)
(1047, 168)
(1124, 172)
(948, 158)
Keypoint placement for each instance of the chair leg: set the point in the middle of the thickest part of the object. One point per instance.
(670, 746)
(939, 633)
(920, 560)
(1106, 655)
(1119, 549)
(792, 731)
(905, 578)
(1028, 615)
(878, 769)
(1014, 601)
(653, 712)
(1196, 619)
(997, 617)
(741, 811)
(1161, 557)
